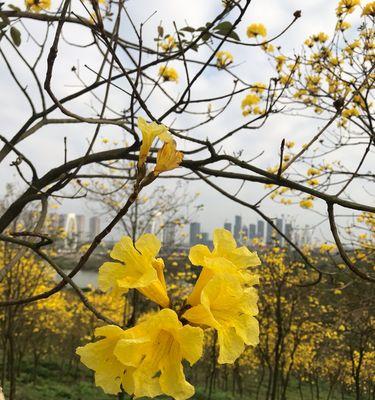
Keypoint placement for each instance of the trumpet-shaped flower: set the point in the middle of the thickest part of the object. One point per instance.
(226, 259)
(168, 158)
(154, 350)
(347, 6)
(255, 30)
(136, 267)
(98, 356)
(38, 5)
(168, 73)
(229, 308)
(223, 59)
(149, 134)
(369, 9)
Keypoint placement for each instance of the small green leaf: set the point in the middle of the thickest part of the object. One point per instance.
(16, 35)
(14, 8)
(225, 26)
(206, 36)
(188, 29)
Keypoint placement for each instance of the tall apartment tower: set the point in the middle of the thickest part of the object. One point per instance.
(289, 230)
(279, 225)
(169, 234)
(94, 227)
(252, 231)
(237, 227)
(195, 230)
(228, 226)
(269, 234)
(81, 226)
(260, 230)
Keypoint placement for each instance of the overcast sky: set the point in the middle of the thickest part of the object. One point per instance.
(45, 148)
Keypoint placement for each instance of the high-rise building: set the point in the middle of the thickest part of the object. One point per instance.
(260, 230)
(81, 221)
(204, 238)
(195, 230)
(228, 226)
(289, 230)
(252, 231)
(237, 227)
(244, 232)
(169, 234)
(279, 225)
(94, 227)
(269, 234)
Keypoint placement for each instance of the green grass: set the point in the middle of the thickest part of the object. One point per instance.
(53, 384)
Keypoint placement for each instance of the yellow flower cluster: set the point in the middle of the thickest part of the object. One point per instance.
(306, 203)
(249, 104)
(347, 6)
(255, 30)
(146, 360)
(168, 44)
(168, 73)
(168, 157)
(37, 5)
(223, 59)
(369, 9)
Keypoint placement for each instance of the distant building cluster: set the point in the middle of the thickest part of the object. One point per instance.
(75, 228)
(244, 233)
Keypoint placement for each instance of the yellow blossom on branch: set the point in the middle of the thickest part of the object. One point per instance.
(98, 356)
(168, 44)
(255, 30)
(168, 158)
(145, 360)
(226, 259)
(223, 59)
(369, 9)
(347, 6)
(168, 73)
(154, 350)
(248, 103)
(149, 133)
(38, 5)
(229, 308)
(306, 203)
(136, 267)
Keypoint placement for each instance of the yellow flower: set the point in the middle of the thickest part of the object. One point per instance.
(313, 182)
(347, 6)
(98, 356)
(312, 171)
(38, 5)
(327, 248)
(149, 133)
(168, 44)
(248, 102)
(343, 25)
(280, 61)
(230, 309)
(136, 267)
(369, 9)
(225, 259)
(154, 349)
(255, 30)
(223, 59)
(306, 203)
(350, 112)
(258, 87)
(168, 73)
(268, 47)
(168, 158)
